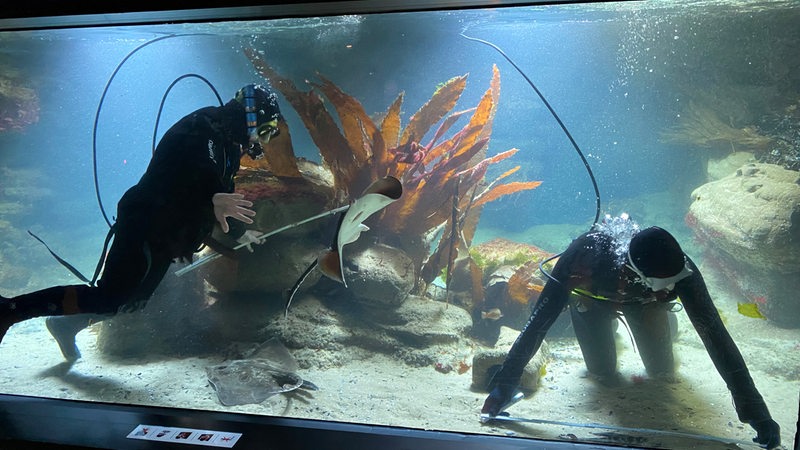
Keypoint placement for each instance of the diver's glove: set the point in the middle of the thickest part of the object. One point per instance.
(249, 238)
(769, 433)
(502, 396)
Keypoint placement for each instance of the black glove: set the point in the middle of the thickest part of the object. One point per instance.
(501, 397)
(769, 433)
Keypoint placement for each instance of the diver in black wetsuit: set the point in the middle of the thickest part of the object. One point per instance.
(166, 216)
(639, 274)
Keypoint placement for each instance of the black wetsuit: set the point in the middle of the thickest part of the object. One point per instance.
(165, 216)
(590, 265)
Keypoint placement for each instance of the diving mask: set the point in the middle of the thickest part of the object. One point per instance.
(262, 116)
(659, 284)
(267, 131)
(260, 137)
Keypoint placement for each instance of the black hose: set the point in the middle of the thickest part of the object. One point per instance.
(164, 99)
(566, 132)
(100, 106)
(558, 119)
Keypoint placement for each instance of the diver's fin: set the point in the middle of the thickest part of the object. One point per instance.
(65, 328)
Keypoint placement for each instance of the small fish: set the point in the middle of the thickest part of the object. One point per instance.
(750, 310)
(492, 314)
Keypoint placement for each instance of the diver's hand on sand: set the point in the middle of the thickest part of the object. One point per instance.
(501, 397)
(232, 205)
(249, 238)
(769, 433)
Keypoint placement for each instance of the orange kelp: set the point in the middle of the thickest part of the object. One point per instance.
(443, 180)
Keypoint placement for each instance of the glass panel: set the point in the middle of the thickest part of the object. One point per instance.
(686, 113)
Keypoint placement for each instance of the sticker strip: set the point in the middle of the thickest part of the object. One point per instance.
(190, 436)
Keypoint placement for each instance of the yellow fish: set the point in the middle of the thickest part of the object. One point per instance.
(750, 310)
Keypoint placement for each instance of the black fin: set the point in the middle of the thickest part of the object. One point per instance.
(61, 260)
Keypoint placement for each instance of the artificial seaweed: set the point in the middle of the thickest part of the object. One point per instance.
(443, 179)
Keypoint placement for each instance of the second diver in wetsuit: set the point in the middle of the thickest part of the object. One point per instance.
(639, 274)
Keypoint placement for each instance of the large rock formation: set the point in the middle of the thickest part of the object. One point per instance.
(749, 226)
(230, 298)
(330, 331)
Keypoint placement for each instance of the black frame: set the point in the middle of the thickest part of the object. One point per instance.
(32, 422)
(44, 423)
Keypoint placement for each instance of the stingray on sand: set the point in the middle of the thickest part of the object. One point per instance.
(271, 371)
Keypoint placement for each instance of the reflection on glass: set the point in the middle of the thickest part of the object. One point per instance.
(685, 115)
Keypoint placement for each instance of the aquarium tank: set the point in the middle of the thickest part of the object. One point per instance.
(406, 217)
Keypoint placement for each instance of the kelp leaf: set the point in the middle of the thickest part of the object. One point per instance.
(521, 286)
(505, 189)
(442, 101)
(471, 216)
(352, 117)
(494, 92)
(427, 195)
(477, 171)
(334, 148)
(382, 159)
(390, 125)
(506, 174)
(449, 167)
(468, 141)
(439, 150)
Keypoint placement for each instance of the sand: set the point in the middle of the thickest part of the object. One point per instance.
(382, 390)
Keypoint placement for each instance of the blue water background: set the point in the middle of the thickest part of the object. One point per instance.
(601, 68)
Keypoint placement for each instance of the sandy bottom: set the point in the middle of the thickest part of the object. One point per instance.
(381, 390)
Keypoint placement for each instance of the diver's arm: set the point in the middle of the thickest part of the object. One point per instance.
(724, 353)
(551, 302)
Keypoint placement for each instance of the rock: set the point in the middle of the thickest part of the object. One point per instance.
(503, 252)
(274, 266)
(497, 309)
(378, 275)
(748, 224)
(420, 332)
(420, 322)
(502, 261)
(316, 334)
(721, 168)
(184, 318)
(280, 201)
(485, 359)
